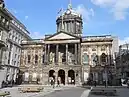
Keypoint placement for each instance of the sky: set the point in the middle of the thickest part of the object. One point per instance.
(100, 17)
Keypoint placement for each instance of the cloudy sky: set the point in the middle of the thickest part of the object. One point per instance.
(100, 17)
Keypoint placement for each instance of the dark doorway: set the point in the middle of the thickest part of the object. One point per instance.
(61, 74)
(51, 73)
(71, 75)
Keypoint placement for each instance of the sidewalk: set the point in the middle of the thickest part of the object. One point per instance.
(47, 89)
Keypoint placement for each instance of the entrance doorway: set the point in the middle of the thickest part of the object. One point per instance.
(51, 75)
(61, 74)
(71, 77)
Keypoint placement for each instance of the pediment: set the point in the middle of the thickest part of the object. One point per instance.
(61, 36)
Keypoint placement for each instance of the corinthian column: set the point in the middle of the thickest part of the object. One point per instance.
(45, 53)
(48, 53)
(57, 49)
(79, 53)
(66, 53)
(75, 58)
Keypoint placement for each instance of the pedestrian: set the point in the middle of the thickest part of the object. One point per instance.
(95, 83)
(128, 84)
(105, 84)
(58, 83)
(53, 83)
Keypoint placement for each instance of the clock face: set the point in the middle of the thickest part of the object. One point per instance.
(68, 12)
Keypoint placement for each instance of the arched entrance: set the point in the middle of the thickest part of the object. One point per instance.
(71, 77)
(61, 75)
(51, 75)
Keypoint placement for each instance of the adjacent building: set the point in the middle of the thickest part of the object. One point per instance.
(122, 62)
(12, 33)
(67, 55)
(4, 29)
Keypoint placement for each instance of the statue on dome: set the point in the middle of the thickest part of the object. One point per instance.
(2, 5)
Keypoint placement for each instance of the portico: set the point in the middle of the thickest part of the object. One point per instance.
(62, 50)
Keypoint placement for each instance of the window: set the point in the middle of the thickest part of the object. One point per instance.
(9, 35)
(15, 55)
(28, 58)
(14, 63)
(103, 57)
(103, 48)
(43, 59)
(85, 48)
(0, 34)
(94, 58)
(3, 20)
(36, 58)
(16, 49)
(85, 59)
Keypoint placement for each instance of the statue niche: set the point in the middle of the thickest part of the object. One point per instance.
(52, 57)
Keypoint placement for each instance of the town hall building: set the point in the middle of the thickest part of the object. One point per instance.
(67, 55)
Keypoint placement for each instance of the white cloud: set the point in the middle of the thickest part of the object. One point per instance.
(119, 8)
(26, 17)
(124, 41)
(86, 13)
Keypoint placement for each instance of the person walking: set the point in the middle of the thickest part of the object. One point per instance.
(95, 83)
(53, 83)
(58, 83)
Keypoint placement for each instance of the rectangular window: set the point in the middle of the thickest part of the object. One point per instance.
(0, 35)
(14, 63)
(36, 58)
(15, 55)
(28, 58)
(43, 59)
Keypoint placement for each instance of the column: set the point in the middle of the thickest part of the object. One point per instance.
(66, 53)
(75, 54)
(48, 53)
(110, 55)
(45, 53)
(79, 53)
(66, 77)
(57, 48)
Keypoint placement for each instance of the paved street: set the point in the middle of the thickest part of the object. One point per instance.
(73, 92)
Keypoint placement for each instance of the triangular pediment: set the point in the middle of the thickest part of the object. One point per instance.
(61, 36)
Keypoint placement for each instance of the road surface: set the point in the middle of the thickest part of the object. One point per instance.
(73, 92)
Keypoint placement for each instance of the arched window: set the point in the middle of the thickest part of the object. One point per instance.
(85, 59)
(103, 58)
(36, 58)
(94, 58)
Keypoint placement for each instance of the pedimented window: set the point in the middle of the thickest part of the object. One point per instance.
(103, 58)
(103, 48)
(85, 59)
(94, 58)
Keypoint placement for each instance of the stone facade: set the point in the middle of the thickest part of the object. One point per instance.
(67, 55)
(4, 29)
